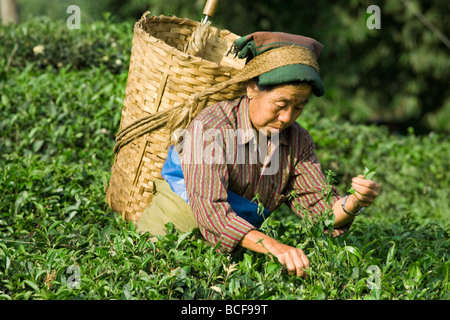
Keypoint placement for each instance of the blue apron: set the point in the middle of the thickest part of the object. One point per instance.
(244, 208)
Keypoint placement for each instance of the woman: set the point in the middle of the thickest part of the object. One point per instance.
(253, 147)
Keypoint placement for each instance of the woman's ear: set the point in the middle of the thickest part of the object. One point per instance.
(251, 88)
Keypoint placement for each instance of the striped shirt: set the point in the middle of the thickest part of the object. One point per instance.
(220, 152)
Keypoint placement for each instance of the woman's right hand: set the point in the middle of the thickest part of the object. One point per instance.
(293, 259)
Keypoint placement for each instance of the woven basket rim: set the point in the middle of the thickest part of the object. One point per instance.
(138, 27)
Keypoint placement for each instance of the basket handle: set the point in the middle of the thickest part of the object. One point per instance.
(210, 7)
(145, 14)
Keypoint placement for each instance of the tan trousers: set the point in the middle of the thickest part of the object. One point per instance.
(166, 207)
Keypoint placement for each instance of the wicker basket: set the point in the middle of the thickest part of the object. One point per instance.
(161, 76)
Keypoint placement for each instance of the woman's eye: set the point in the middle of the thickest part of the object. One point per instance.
(301, 106)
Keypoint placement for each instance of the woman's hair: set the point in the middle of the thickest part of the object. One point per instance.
(273, 86)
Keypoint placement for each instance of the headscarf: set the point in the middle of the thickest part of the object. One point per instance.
(257, 43)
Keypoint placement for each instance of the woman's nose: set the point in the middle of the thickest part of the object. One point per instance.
(286, 116)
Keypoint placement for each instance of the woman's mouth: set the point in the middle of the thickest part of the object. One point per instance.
(273, 128)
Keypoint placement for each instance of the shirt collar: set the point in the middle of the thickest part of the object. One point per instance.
(248, 132)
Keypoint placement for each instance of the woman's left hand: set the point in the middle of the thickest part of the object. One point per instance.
(366, 191)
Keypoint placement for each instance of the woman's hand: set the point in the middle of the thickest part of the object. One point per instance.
(293, 259)
(366, 192)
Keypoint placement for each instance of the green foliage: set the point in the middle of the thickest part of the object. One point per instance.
(412, 171)
(60, 240)
(72, 115)
(48, 43)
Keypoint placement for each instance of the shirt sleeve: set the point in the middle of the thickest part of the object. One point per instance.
(308, 185)
(205, 171)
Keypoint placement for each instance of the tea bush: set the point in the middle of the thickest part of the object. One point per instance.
(412, 169)
(59, 239)
(47, 43)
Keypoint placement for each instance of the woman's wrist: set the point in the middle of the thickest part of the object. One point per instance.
(257, 241)
(351, 206)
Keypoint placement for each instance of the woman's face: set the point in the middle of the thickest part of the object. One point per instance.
(275, 110)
